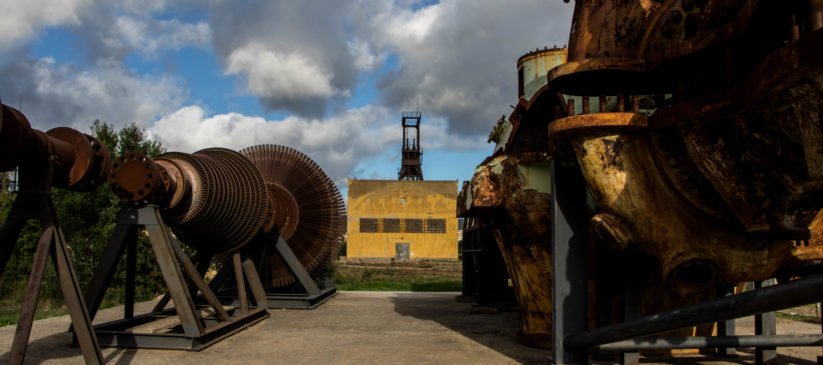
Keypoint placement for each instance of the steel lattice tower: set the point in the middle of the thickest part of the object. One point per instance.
(411, 167)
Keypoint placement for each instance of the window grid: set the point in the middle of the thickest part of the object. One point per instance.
(402, 225)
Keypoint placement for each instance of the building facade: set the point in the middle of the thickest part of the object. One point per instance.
(401, 220)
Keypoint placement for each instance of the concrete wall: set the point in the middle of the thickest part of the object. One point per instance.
(404, 200)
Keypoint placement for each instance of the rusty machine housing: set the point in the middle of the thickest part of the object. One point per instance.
(701, 162)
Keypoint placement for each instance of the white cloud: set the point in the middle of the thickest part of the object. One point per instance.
(22, 20)
(459, 56)
(336, 143)
(293, 55)
(151, 35)
(57, 94)
(364, 57)
(288, 76)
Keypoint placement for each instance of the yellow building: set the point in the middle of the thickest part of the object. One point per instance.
(402, 220)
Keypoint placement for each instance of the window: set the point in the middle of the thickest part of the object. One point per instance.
(391, 225)
(414, 225)
(435, 226)
(368, 225)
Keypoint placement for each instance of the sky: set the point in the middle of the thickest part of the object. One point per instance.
(329, 78)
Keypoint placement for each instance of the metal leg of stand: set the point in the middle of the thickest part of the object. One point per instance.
(727, 327)
(569, 264)
(257, 289)
(131, 271)
(105, 270)
(296, 267)
(69, 285)
(29, 307)
(160, 242)
(241, 283)
(197, 281)
(765, 324)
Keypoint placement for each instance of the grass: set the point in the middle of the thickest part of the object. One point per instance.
(10, 311)
(798, 317)
(402, 277)
(807, 313)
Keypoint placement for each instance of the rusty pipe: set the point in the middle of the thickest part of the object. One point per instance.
(82, 161)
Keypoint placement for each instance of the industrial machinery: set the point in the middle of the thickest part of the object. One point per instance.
(698, 167)
(485, 276)
(510, 193)
(294, 251)
(63, 158)
(267, 216)
(215, 201)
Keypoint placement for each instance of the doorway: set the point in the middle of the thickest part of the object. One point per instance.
(401, 251)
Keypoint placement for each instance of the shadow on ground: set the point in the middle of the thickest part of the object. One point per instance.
(496, 330)
(59, 346)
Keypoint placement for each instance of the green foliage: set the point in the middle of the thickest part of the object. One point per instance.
(87, 220)
(388, 277)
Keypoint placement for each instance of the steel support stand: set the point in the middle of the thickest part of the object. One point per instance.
(726, 327)
(185, 327)
(262, 247)
(765, 324)
(569, 292)
(34, 201)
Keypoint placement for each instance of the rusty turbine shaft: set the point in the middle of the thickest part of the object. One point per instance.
(308, 208)
(82, 162)
(213, 199)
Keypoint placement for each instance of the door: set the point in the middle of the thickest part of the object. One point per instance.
(401, 251)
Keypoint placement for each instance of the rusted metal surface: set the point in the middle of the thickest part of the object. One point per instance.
(214, 198)
(513, 201)
(731, 144)
(218, 200)
(510, 192)
(82, 162)
(308, 209)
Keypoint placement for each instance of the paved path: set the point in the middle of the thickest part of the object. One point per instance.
(354, 328)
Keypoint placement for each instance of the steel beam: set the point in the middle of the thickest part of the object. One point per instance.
(792, 294)
(765, 324)
(296, 267)
(703, 342)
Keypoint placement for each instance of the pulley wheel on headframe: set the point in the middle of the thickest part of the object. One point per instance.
(308, 208)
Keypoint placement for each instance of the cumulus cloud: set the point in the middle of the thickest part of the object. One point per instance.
(22, 20)
(290, 77)
(55, 94)
(114, 29)
(309, 67)
(364, 57)
(336, 143)
(151, 35)
(458, 56)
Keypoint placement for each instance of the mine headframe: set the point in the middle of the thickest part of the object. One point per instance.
(411, 166)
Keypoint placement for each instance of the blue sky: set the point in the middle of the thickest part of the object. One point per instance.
(329, 78)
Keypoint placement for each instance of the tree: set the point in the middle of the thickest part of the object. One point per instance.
(87, 220)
